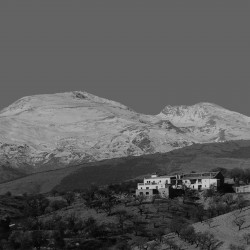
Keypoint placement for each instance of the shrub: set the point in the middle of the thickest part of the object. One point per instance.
(57, 205)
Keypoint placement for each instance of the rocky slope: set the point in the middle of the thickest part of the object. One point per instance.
(45, 132)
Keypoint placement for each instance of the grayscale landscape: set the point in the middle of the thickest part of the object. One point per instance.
(124, 125)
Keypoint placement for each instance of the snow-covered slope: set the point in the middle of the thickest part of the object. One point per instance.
(51, 131)
(207, 122)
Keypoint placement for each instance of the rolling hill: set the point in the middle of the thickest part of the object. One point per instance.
(198, 157)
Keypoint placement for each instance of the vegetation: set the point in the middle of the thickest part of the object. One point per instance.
(198, 157)
(112, 217)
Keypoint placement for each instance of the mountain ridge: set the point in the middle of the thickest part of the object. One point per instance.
(50, 131)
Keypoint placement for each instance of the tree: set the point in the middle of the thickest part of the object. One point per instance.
(69, 197)
(172, 245)
(188, 234)
(239, 221)
(246, 176)
(207, 241)
(209, 192)
(221, 208)
(140, 242)
(92, 229)
(100, 199)
(237, 174)
(38, 239)
(122, 216)
(5, 227)
(108, 204)
(209, 222)
(126, 199)
(58, 237)
(20, 240)
(176, 225)
(246, 237)
(140, 210)
(57, 205)
(240, 202)
(141, 199)
(198, 213)
(228, 199)
(159, 233)
(72, 222)
(139, 226)
(37, 205)
(153, 246)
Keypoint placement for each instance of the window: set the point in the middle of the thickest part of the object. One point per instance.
(199, 180)
(147, 193)
(141, 193)
(193, 181)
(156, 187)
(147, 187)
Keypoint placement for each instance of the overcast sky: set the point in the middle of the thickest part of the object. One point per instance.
(144, 54)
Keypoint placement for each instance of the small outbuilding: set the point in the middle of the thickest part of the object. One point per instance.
(243, 189)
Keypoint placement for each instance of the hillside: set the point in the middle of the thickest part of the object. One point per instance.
(225, 230)
(197, 157)
(46, 132)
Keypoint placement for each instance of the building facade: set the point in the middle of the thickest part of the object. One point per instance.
(202, 181)
(158, 185)
(161, 184)
(242, 189)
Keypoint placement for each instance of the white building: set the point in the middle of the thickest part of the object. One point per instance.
(243, 189)
(160, 184)
(204, 180)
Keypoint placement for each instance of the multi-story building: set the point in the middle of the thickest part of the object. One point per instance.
(161, 184)
(158, 185)
(204, 180)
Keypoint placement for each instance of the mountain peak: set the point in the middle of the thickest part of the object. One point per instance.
(199, 114)
(59, 100)
(197, 105)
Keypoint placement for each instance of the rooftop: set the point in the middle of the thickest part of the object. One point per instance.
(203, 175)
(160, 176)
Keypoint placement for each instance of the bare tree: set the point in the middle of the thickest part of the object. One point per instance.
(208, 222)
(207, 241)
(239, 222)
(228, 199)
(122, 216)
(69, 197)
(241, 202)
(246, 237)
(141, 199)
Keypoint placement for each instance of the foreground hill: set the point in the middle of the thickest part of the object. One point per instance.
(199, 157)
(225, 229)
(47, 132)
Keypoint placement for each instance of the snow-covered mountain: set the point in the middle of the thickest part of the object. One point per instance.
(57, 130)
(207, 122)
